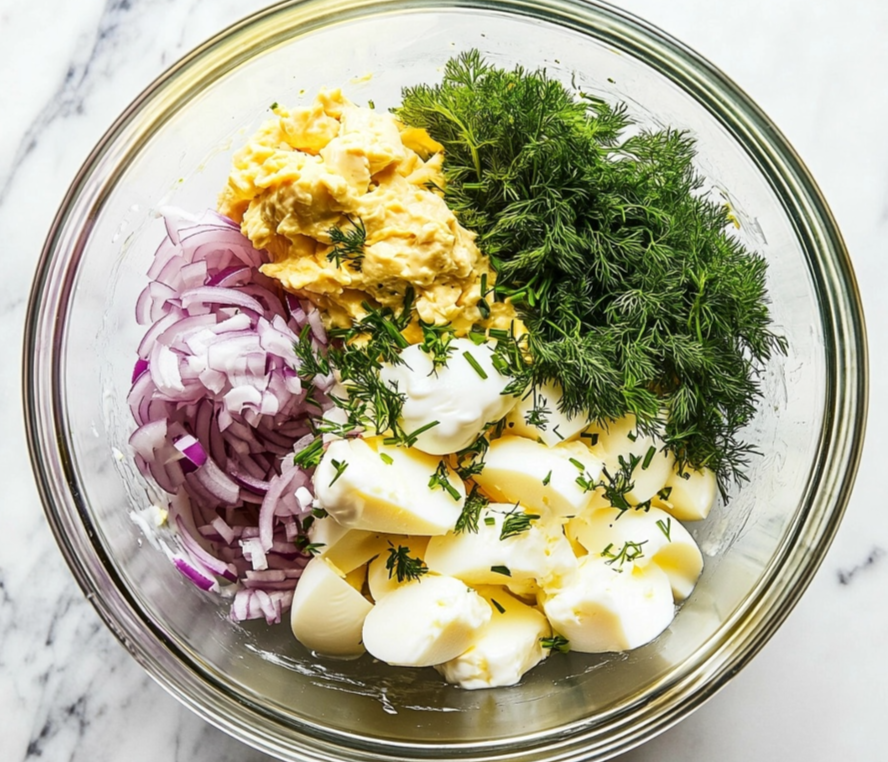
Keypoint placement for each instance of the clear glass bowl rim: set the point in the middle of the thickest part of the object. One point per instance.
(790, 571)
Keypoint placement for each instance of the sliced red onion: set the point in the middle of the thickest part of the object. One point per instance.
(218, 405)
(202, 581)
(192, 449)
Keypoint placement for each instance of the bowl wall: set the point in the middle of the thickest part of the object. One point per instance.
(173, 147)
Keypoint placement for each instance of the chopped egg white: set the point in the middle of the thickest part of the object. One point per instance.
(503, 649)
(553, 426)
(385, 489)
(425, 622)
(462, 395)
(554, 481)
(648, 537)
(608, 607)
(689, 496)
(347, 549)
(327, 614)
(622, 438)
(381, 580)
(539, 553)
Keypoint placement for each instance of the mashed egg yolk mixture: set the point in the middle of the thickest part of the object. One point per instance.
(335, 166)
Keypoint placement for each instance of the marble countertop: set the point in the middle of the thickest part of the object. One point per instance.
(69, 691)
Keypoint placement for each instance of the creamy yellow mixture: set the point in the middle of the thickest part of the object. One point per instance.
(335, 165)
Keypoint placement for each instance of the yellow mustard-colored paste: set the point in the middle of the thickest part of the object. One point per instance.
(334, 165)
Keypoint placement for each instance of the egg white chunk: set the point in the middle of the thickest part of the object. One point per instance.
(556, 428)
(540, 553)
(607, 608)
(346, 549)
(543, 478)
(456, 395)
(504, 649)
(622, 438)
(657, 539)
(691, 496)
(385, 489)
(327, 614)
(380, 581)
(425, 622)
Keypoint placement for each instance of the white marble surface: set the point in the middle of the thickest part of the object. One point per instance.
(69, 691)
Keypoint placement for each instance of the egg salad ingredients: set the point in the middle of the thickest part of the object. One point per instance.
(218, 405)
(635, 296)
(425, 622)
(689, 494)
(555, 481)
(345, 200)
(650, 462)
(495, 556)
(462, 394)
(608, 607)
(327, 614)
(386, 489)
(645, 537)
(537, 416)
(509, 645)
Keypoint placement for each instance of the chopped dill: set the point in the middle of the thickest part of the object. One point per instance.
(348, 245)
(635, 295)
(471, 512)
(402, 565)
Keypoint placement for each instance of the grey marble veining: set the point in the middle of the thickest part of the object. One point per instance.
(69, 691)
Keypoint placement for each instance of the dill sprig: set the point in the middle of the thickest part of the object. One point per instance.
(402, 565)
(631, 551)
(635, 296)
(471, 512)
(348, 245)
(358, 353)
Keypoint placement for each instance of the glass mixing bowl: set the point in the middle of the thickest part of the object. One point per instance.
(173, 146)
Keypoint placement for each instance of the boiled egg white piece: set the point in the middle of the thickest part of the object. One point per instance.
(327, 614)
(539, 553)
(649, 536)
(424, 622)
(621, 438)
(462, 396)
(502, 650)
(346, 549)
(608, 608)
(386, 489)
(380, 579)
(554, 481)
(552, 426)
(690, 495)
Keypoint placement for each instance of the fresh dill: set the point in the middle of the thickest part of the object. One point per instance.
(402, 565)
(348, 245)
(310, 456)
(470, 461)
(631, 551)
(504, 570)
(339, 466)
(666, 528)
(471, 511)
(516, 522)
(304, 545)
(635, 295)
